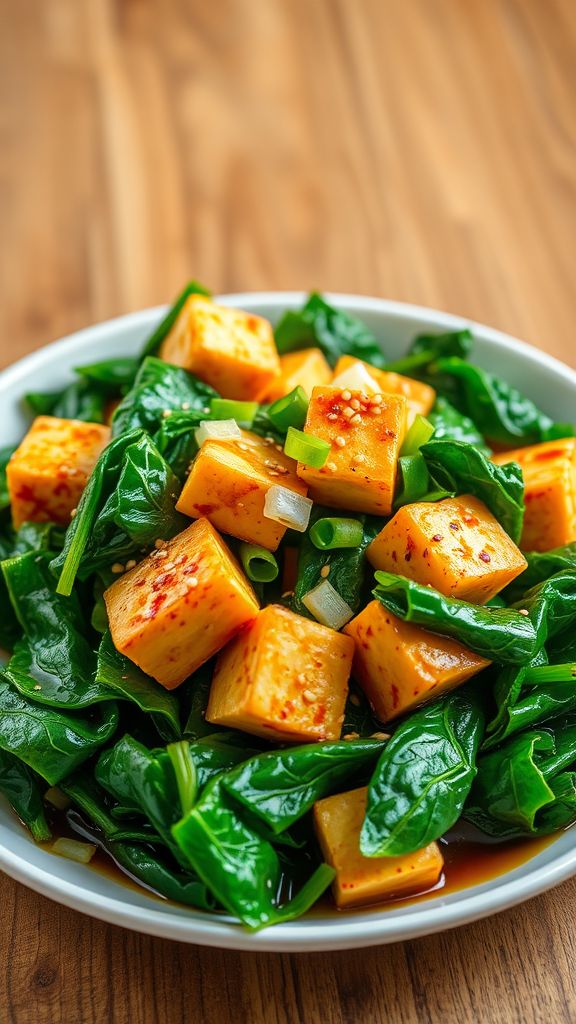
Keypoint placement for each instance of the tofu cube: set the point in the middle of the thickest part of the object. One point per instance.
(549, 471)
(307, 369)
(228, 484)
(400, 666)
(284, 678)
(420, 397)
(229, 349)
(180, 606)
(455, 545)
(360, 880)
(365, 434)
(49, 470)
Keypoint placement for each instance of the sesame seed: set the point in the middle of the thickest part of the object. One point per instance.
(523, 611)
(239, 504)
(278, 447)
(159, 543)
(346, 395)
(309, 696)
(166, 413)
(160, 554)
(355, 404)
(273, 472)
(185, 406)
(117, 568)
(331, 467)
(206, 409)
(357, 419)
(325, 571)
(375, 410)
(348, 412)
(288, 593)
(243, 447)
(73, 513)
(131, 563)
(301, 678)
(380, 736)
(351, 736)
(332, 416)
(37, 687)
(376, 400)
(340, 441)
(193, 582)
(269, 440)
(359, 459)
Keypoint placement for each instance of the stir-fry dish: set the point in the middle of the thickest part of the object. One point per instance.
(278, 612)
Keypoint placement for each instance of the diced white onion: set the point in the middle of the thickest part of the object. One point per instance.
(326, 605)
(217, 430)
(57, 798)
(74, 850)
(357, 378)
(287, 507)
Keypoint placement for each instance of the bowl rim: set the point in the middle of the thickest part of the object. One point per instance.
(308, 933)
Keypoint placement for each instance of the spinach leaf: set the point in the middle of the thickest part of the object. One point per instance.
(427, 348)
(241, 869)
(52, 742)
(81, 400)
(128, 502)
(122, 679)
(502, 414)
(523, 788)
(336, 333)
(462, 469)
(176, 440)
(92, 801)
(146, 864)
(36, 537)
(281, 786)
(415, 483)
(500, 634)
(5, 456)
(347, 565)
(506, 635)
(541, 566)
(450, 424)
(54, 663)
(165, 326)
(20, 787)
(423, 776)
(359, 718)
(159, 389)
(212, 755)
(199, 690)
(526, 706)
(112, 375)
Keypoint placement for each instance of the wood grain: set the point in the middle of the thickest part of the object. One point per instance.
(422, 150)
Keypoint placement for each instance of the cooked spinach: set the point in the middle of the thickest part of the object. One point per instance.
(280, 786)
(176, 440)
(159, 390)
(128, 502)
(347, 565)
(450, 424)
(424, 775)
(147, 865)
(336, 333)
(21, 788)
(238, 866)
(5, 456)
(51, 741)
(461, 469)
(427, 348)
(124, 680)
(524, 788)
(81, 400)
(166, 324)
(527, 697)
(113, 375)
(541, 566)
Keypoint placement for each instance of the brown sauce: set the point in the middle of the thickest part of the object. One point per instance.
(470, 858)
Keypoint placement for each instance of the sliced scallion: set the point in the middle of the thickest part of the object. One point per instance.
(290, 410)
(259, 564)
(330, 533)
(305, 448)
(420, 432)
(228, 409)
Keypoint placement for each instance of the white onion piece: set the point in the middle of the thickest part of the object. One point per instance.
(74, 850)
(57, 798)
(326, 605)
(287, 507)
(357, 378)
(217, 430)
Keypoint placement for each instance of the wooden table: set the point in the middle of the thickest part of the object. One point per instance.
(418, 149)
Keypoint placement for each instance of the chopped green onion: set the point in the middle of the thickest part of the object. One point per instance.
(74, 850)
(185, 772)
(550, 674)
(420, 432)
(259, 564)
(414, 479)
(228, 409)
(290, 411)
(306, 448)
(327, 606)
(336, 533)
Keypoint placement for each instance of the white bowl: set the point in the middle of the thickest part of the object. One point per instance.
(548, 382)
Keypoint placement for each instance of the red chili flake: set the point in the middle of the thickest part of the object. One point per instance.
(454, 526)
(395, 696)
(369, 631)
(205, 510)
(156, 605)
(320, 715)
(484, 556)
(437, 536)
(394, 556)
(554, 453)
(470, 520)
(425, 553)
(163, 581)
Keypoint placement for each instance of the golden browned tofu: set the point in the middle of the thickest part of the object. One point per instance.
(420, 397)
(360, 880)
(49, 470)
(455, 545)
(306, 369)
(228, 484)
(365, 434)
(232, 350)
(284, 678)
(180, 605)
(399, 665)
(549, 471)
